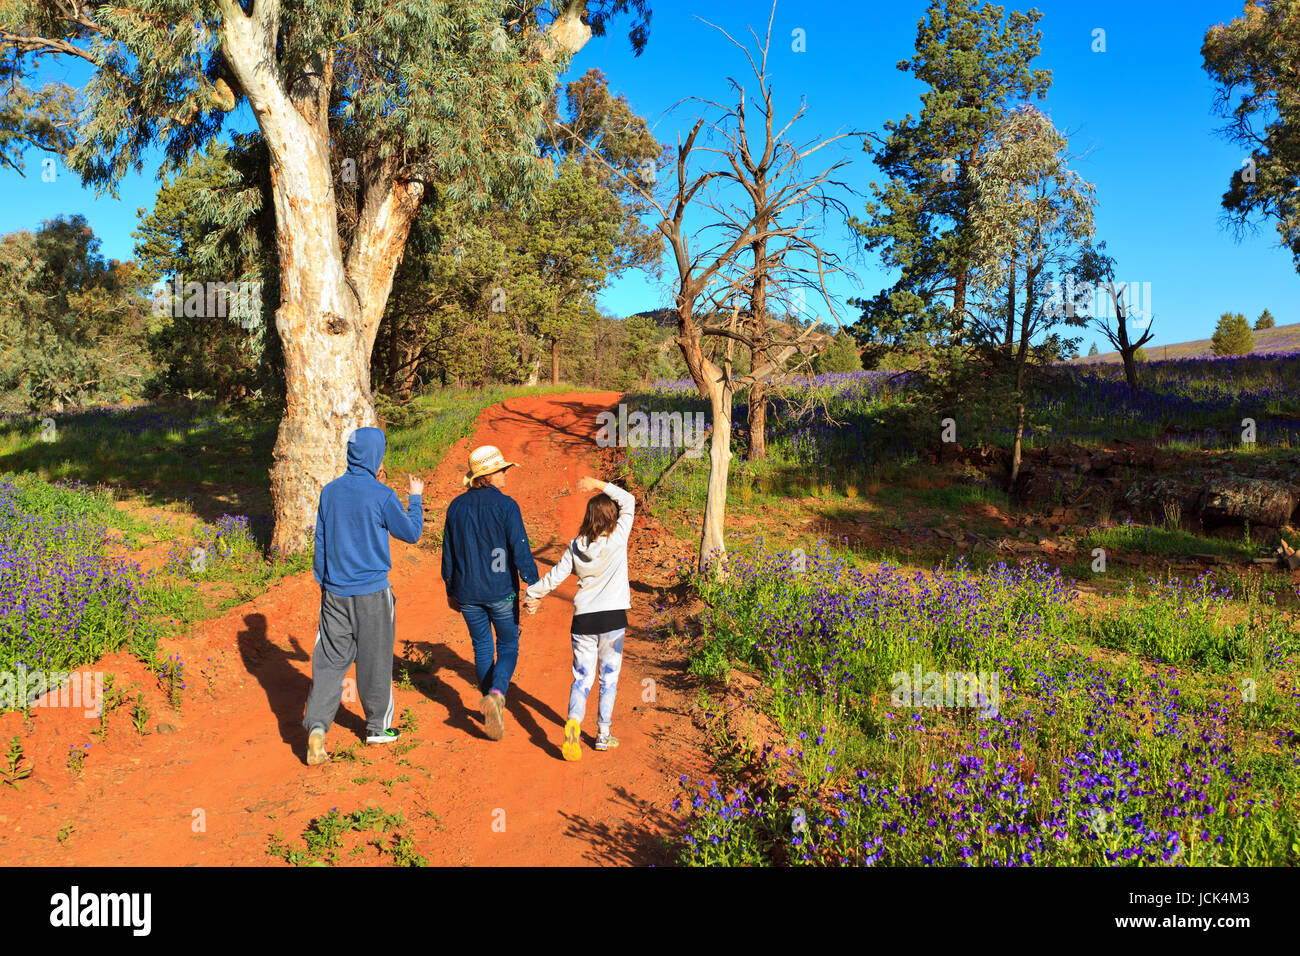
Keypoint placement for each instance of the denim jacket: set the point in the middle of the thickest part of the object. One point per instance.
(485, 548)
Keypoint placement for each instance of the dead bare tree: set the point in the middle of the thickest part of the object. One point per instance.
(784, 263)
(715, 276)
(1098, 270)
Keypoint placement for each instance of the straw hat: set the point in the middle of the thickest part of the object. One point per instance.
(485, 460)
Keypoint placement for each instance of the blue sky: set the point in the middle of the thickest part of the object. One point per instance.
(1138, 117)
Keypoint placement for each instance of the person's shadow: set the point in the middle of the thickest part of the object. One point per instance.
(284, 685)
(525, 708)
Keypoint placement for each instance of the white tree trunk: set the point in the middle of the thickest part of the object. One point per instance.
(713, 546)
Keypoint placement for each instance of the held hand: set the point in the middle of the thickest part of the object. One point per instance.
(532, 604)
(416, 485)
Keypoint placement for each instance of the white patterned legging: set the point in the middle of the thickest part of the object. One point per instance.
(589, 652)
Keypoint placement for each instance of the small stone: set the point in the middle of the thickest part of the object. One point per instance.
(166, 728)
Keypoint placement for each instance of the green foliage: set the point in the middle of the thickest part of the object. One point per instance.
(73, 324)
(1140, 355)
(1265, 320)
(484, 296)
(323, 839)
(840, 355)
(1254, 62)
(42, 118)
(213, 222)
(866, 776)
(140, 716)
(1092, 350)
(1181, 624)
(14, 769)
(77, 758)
(1232, 336)
(975, 60)
(64, 602)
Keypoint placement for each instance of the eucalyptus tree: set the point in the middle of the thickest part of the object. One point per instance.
(1032, 220)
(388, 97)
(1254, 62)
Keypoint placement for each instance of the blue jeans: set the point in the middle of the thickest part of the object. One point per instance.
(503, 616)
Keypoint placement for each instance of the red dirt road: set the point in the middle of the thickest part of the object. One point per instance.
(232, 773)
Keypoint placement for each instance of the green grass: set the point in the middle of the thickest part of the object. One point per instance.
(420, 434)
(153, 445)
(323, 839)
(1164, 542)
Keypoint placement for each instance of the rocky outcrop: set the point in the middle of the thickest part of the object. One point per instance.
(1237, 500)
(1155, 496)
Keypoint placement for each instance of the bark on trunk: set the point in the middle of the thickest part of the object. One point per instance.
(713, 547)
(330, 309)
(555, 361)
(1015, 448)
(1130, 368)
(959, 304)
(758, 421)
(1010, 337)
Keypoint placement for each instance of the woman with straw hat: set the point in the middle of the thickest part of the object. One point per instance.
(485, 552)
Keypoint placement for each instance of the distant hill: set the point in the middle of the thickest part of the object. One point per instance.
(1280, 338)
(663, 318)
(667, 319)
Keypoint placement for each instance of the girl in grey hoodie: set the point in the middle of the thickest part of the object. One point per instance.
(598, 556)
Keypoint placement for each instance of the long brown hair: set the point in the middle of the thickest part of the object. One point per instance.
(601, 517)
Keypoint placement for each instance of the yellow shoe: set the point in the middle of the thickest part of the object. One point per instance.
(572, 748)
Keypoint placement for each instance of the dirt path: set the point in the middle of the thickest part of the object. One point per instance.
(229, 771)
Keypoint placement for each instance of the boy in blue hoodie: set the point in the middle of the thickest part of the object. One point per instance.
(358, 622)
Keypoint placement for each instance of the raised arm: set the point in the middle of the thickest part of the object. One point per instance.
(626, 506)
(406, 525)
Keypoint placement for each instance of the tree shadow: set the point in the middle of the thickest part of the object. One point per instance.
(578, 433)
(164, 453)
(284, 685)
(643, 841)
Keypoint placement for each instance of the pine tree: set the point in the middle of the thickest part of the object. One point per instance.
(1265, 320)
(1232, 336)
(976, 62)
(1092, 350)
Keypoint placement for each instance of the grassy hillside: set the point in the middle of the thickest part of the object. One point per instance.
(1281, 338)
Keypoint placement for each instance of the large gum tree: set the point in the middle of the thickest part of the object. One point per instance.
(390, 97)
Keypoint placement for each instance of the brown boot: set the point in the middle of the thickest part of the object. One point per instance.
(494, 717)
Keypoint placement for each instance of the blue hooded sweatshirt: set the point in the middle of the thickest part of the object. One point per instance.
(356, 515)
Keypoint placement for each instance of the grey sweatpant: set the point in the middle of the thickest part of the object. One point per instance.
(361, 629)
